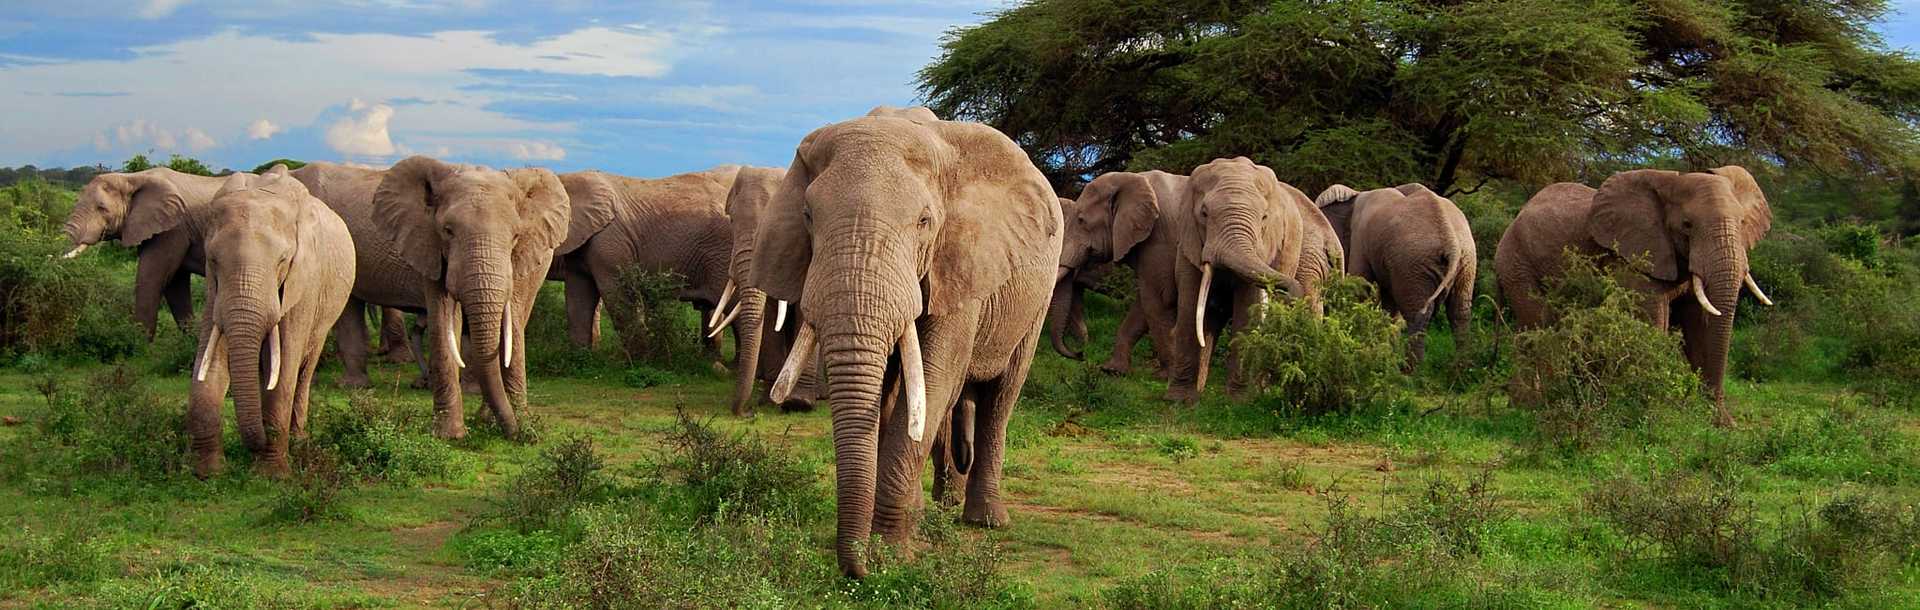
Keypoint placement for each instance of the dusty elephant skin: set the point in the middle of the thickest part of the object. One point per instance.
(1413, 244)
(274, 285)
(463, 246)
(923, 252)
(1692, 229)
(145, 210)
(1121, 219)
(764, 329)
(676, 224)
(1239, 231)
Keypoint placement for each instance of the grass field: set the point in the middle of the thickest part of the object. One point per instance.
(1118, 499)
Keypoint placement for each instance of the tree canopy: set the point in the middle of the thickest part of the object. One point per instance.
(1447, 92)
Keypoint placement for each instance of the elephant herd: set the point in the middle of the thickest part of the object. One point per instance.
(903, 268)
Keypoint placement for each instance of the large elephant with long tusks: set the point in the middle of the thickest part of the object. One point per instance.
(1693, 230)
(764, 329)
(275, 285)
(923, 252)
(463, 245)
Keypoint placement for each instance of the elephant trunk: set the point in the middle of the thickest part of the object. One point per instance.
(1237, 254)
(248, 322)
(1060, 317)
(1725, 272)
(84, 229)
(484, 305)
(855, 360)
(748, 331)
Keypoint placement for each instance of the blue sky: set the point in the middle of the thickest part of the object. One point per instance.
(639, 88)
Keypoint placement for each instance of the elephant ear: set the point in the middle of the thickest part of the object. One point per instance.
(1759, 216)
(1627, 218)
(590, 197)
(993, 226)
(154, 206)
(403, 209)
(783, 249)
(544, 211)
(1136, 210)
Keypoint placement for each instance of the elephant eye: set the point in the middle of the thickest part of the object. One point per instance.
(926, 220)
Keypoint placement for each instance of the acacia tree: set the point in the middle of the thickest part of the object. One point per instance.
(1447, 92)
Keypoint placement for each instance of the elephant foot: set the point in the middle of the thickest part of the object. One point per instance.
(949, 489)
(1181, 394)
(1116, 368)
(449, 429)
(208, 464)
(272, 468)
(399, 356)
(354, 381)
(420, 383)
(985, 514)
(718, 368)
(796, 405)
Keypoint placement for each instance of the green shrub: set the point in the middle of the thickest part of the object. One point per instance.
(643, 377)
(566, 476)
(377, 438)
(290, 163)
(723, 476)
(508, 551)
(655, 327)
(208, 586)
(117, 424)
(551, 352)
(1311, 364)
(79, 307)
(1857, 242)
(955, 569)
(31, 560)
(1598, 370)
(316, 489)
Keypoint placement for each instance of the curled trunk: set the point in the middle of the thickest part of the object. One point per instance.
(1060, 317)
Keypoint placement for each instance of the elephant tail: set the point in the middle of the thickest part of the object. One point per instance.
(1455, 263)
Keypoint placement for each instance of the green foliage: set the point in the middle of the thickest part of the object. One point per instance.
(1850, 544)
(188, 165)
(655, 327)
(290, 163)
(373, 437)
(542, 498)
(723, 476)
(1598, 370)
(1312, 364)
(198, 585)
(136, 163)
(1848, 305)
(550, 351)
(642, 377)
(30, 560)
(116, 424)
(54, 306)
(35, 206)
(316, 489)
(1395, 91)
(955, 570)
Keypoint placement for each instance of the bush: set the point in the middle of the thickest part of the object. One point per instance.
(31, 560)
(314, 492)
(566, 476)
(1597, 370)
(1311, 364)
(116, 425)
(55, 306)
(551, 352)
(655, 327)
(955, 570)
(1851, 544)
(376, 438)
(721, 477)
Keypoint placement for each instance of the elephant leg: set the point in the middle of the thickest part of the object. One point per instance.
(204, 399)
(1131, 329)
(583, 308)
(953, 453)
(1183, 340)
(1696, 332)
(394, 331)
(1460, 313)
(1409, 297)
(1520, 288)
(516, 376)
(984, 506)
(159, 261)
(449, 414)
(350, 333)
(277, 404)
(946, 344)
(417, 341)
(1245, 300)
(179, 296)
(303, 390)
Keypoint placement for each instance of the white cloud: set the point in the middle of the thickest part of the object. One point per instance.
(721, 98)
(363, 134)
(156, 9)
(262, 129)
(198, 140)
(538, 151)
(141, 135)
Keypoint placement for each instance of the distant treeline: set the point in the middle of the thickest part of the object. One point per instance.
(76, 177)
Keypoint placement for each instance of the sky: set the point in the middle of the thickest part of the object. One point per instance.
(637, 88)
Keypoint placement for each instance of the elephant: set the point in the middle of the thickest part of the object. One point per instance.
(1413, 244)
(138, 208)
(1120, 219)
(675, 224)
(1259, 232)
(895, 232)
(763, 342)
(462, 245)
(273, 284)
(1678, 239)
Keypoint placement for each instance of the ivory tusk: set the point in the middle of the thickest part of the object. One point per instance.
(1700, 294)
(728, 320)
(453, 338)
(506, 337)
(273, 358)
(796, 360)
(75, 251)
(779, 316)
(1757, 294)
(914, 375)
(206, 354)
(1200, 307)
(726, 294)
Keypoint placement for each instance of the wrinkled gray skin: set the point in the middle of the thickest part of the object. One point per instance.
(274, 289)
(145, 210)
(1121, 219)
(900, 233)
(1416, 247)
(760, 350)
(1686, 226)
(675, 224)
(461, 245)
(1253, 231)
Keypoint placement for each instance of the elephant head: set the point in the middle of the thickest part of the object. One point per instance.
(746, 201)
(252, 233)
(1114, 214)
(1241, 220)
(473, 230)
(134, 207)
(1693, 228)
(883, 225)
